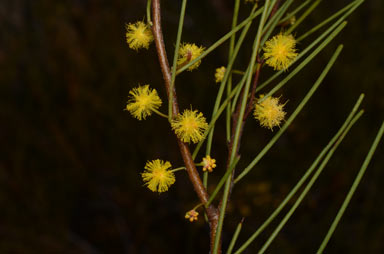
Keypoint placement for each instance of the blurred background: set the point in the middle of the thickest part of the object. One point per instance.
(71, 157)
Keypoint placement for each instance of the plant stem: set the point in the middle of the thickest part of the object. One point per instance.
(175, 56)
(159, 113)
(234, 144)
(184, 149)
(222, 181)
(235, 236)
(229, 82)
(225, 79)
(178, 169)
(149, 20)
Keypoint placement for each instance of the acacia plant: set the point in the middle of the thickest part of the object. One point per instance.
(239, 100)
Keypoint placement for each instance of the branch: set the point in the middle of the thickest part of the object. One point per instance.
(194, 177)
(162, 54)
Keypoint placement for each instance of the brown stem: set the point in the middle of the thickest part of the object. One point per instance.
(162, 54)
(249, 107)
(273, 12)
(235, 120)
(250, 100)
(212, 212)
(277, 4)
(236, 115)
(253, 91)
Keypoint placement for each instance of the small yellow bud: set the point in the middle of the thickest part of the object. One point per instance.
(191, 215)
(208, 163)
(219, 75)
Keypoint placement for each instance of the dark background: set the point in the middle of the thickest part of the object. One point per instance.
(71, 157)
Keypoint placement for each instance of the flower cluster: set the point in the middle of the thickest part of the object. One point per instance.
(191, 215)
(280, 51)
(143, 101)
(190, 126)
(157, 175)
(187, 53)
(138, 35)
(208, 163)
(269, 112)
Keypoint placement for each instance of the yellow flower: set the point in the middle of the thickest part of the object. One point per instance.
(189, 126)
(191, 215)
(269, 112)
(143, 101)
(157, 175)
(187, 53)
(280, 51)
(208, 163)
(138, 35)
(219, 75)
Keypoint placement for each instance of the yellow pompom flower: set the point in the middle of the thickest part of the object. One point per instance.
(219, 75)
(208, 163)
(190, 126)
(157, 176)
(269, 112)
(143, 101)
(191, 215)
(280, 51)
(187, 53)
(138, 35)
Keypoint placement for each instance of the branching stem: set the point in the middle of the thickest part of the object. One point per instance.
(194, 177)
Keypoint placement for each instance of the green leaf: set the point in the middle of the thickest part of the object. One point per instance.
(352, 189)
(293, 116)
(304, 177)
(175, 56)
(308, 187)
